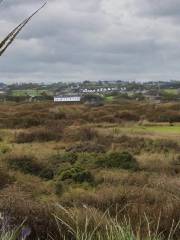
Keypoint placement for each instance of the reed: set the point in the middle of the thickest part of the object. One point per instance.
(7, 41)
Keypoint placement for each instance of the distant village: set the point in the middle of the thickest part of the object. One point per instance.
(89, 91)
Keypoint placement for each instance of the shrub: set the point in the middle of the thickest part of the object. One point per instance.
(87, 134)
(38, 135)
(86, 147)
(29, 165)
(58, 159)
(4, 148)
(88, 160)
(76, 174)
(122, 160)
(127, 116)
(24, 163)
(30, 122)
(59, 188)
(82, 176)
(5, 179)
(47, 173)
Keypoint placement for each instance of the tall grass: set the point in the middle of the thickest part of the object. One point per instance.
(89, 224)
(12, 234)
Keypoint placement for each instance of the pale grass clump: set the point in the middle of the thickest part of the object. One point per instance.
(157, 162)
(89, 224)
(12, 234)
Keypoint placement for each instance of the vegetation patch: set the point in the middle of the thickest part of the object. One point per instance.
(38, 135)
(122, 160)
(28, 165)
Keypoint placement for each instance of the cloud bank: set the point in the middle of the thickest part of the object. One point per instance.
(75, 40)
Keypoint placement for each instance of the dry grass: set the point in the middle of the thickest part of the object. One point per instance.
(47, 132)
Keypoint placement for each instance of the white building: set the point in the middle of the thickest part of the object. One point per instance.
(67, 99)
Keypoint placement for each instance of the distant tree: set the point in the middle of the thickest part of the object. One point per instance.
(6, 42)
(93, 100)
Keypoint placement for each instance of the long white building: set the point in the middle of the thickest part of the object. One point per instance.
(67, 99)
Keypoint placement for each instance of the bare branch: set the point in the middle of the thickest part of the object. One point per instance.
(12, 35)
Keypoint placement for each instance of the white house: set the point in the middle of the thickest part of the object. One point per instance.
(67, 99)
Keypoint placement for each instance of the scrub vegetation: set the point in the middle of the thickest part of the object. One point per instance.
(81, 172)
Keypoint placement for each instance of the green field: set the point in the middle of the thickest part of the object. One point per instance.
(171, 91)
(30, 92)
(109, 98)
(163, 129)
(153, 129)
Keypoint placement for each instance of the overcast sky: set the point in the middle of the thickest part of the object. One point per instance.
(73, 40)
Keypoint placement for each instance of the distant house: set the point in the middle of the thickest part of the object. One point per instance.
(67, 99)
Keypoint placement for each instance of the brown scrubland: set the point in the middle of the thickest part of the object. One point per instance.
(120, 161)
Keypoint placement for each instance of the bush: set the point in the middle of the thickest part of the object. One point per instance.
(76, 174)
(38, 135)
(59, 187)
(86, 147)
(122, 160)
(47, 173)
(87, 134)
(29, 165)
(4, 148)
(127, 116)
(68, 158)
(82, 176)
(24, 163)
(5, 179)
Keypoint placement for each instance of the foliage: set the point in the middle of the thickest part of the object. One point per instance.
(38, 135)
(87, 134)
(5, 179)
(61, 158)
(28, 165)
(122, 160)
(76, 174)
(86, 147)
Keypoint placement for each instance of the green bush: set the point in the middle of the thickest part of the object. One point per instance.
(47, 173)
(59, 189)
(122, 160)
(29, 165)
(87, 160)
(60, 158)
(4, 148)
(76, 174)
(82, 176)
(24, 163)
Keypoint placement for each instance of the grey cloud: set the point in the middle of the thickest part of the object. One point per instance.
(160, 8)
(92, 39)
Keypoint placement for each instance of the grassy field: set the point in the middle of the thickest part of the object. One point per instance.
(172, 91)
(73, 171)
(30, 92)
(154, 129)
(109, 98)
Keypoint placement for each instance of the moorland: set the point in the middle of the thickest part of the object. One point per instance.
(106, 172)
